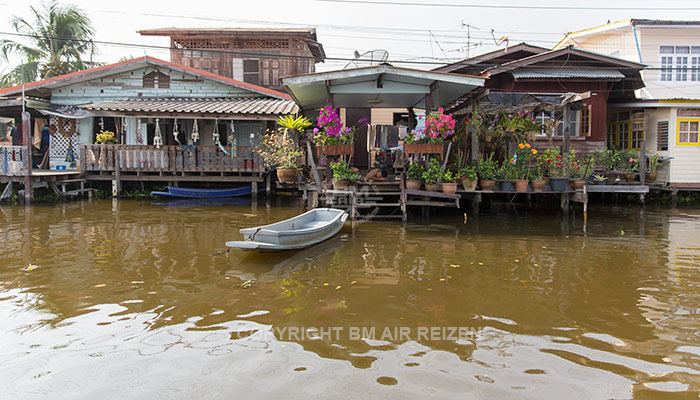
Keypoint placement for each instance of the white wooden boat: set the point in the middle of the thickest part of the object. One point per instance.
(299, 232)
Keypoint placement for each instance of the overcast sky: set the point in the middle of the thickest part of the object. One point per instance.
(408, 32)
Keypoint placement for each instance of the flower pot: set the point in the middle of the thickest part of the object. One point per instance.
(287, 175)
(413, 184)
(423, 148)
(449, 188)
(507, 185)
(521, 185)
(649, 177)
(538, 185)
(432, 187)
(488, 138)
(559, 184)
(603, 182)
(342, 185)
(630, 176)
(487, 184)
(578, 185)
(468, 185)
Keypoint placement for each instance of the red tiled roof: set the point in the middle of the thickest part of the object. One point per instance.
(145, 59)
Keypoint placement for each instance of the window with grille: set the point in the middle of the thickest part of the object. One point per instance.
(662, 135)
(251, 71)
(679, 63)
(695, 63)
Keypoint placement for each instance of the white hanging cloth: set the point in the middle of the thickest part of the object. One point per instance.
(158, 138)
(195, 132)
(175, 132)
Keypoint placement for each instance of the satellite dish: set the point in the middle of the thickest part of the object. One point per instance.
(368, 58)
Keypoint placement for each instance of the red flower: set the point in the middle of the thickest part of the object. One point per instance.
(466, 120)
(559, 157)
(549, 161)
(578, 168)
(558, 164)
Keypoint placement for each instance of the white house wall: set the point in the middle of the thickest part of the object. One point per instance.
(129, 85)
(685, 166)
(650, 40)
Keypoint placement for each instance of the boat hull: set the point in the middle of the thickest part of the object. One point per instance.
(292, 234)
(194, 193)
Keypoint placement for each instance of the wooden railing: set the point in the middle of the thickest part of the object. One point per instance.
(13, 160)
(172, 159)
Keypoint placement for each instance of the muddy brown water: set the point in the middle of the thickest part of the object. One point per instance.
(125, 300)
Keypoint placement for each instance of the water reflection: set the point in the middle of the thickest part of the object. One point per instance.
(123, 290)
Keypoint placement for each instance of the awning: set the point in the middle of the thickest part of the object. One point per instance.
(492, 102)
(71, 112)
(227, 106)
(383, 86)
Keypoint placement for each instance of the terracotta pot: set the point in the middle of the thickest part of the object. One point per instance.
(538, 185)
(342, 185)
(649, 177)
(468, 185)
(449, 188)
(287, 175)
(559, 184)
(630, 176)
(507, 185)
(432, 187)
(487, 184)
(521, 185)
(413, 184)
(578, 185)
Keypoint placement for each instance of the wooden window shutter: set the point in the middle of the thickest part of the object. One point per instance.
(149, 81)
(662, 135)
(585, 121)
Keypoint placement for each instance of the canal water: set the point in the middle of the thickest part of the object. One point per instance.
(127, 299)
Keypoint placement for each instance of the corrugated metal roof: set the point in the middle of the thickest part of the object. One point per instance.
(210, 106)
(566, 73)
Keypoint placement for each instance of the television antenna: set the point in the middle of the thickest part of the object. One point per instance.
(504, 38)
(368, 58)
(469, 34)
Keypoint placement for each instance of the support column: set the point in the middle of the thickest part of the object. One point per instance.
(27, 139)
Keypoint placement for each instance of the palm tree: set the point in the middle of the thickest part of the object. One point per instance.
(60, 36)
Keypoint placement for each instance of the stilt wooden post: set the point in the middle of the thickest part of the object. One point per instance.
(27, 138)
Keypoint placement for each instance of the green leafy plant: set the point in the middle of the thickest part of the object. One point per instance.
(469, 173)
(606, 158)
(298, 124)
(653, 162)
(279, 149)
(508, 171)
(448, 177)
(555, 164)
(580, 165)
(434, 172)
(343, 172)
(415, 171)
(488, 168)
(600, 178)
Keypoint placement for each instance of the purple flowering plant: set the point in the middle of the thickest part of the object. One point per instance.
(329, 129)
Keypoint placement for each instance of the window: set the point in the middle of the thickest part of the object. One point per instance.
(666, 63)
(585, 128)
(251, 71)
(156, 79)
(612, 135)
(695, 64)
(638, 125)
(574, 117)
(681, 69)
(662, 135)
(542, 118)
(623, 135)
(688, 131)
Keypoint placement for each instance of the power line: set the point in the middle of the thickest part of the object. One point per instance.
(516, 7)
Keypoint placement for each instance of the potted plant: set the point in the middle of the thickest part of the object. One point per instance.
(521, 160)
(330, 136)
(449, 182)
(344, 176)
(105, 137)
(608, 159)
(432, 176)
(599, 179)
(508, 174)
(469, 178)
(653, 162)
(631, 167)
(487, 169)
(438, 127)
(557, 169)
(579, 169)
(279, 149)
(414, 175)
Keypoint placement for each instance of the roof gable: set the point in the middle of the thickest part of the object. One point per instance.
(475, 65)
(44, 87)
